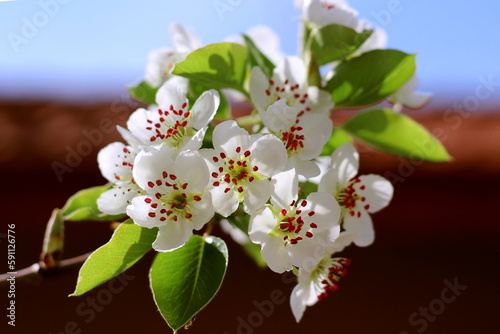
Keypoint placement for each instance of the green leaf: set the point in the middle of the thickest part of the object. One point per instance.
(396, 134)
(257, 58)
(83, 206)
(306, 188)
(127, 245)
(370, 78)
(144, 93)
(335, 42)
(339, 137)
(185, 280)
(222, 65)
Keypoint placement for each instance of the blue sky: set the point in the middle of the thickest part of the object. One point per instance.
(84, 48)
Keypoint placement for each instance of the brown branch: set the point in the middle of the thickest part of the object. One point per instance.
(36, 272)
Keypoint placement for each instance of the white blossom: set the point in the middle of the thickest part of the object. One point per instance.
(318, 282)
(294, 232)
(161, 62)
(358, 196)
(176, 200)
(172, 123)
(240, 167)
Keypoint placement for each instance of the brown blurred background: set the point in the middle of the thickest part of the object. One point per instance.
(442, 226)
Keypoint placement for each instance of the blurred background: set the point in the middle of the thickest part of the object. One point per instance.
(64, 69)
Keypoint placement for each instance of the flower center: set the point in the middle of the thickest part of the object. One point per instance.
(291, 222)
(170, 126)
(294, 95)
(349, 197)
(331, 271)
(234, 173)
(327, 6)
(293, 139)
(173, 203)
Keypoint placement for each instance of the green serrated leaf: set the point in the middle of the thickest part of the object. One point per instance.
(185, 280)
(396, 134)
(83, 206)
(222, 65)
(335, 42)
(257, 58)
(370, 78)
(339, 137)
(144, 93)
(129, 243)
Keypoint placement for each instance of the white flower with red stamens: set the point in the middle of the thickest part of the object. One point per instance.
(172, 123)
(240, 166)
(116, 162)
(358, 196)
(294, 232)
(176, 199)
(325, 12)
(318, 282)
(161, 62)
(288, 83)
(408, 97)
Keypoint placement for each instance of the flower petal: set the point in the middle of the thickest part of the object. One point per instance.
(204, 109)
(261, 224)
(362, 226)
(257, 85)
(139, 211)
(297, 302)
(190, 167)
(256, 195)
(378, 191)
(110, 160)
(202, 211)
(325, 208)
(172, 235)
(225, 202)
(306, 168)
(286, 186)
(279, 116)
(195, 142)
(149, 166)
(173, 93)
(228, 136)
(183, 40)
(345, 160)
(116, 200)
(275, 254)
(269, 154)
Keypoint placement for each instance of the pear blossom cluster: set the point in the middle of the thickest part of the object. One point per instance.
(180, 170)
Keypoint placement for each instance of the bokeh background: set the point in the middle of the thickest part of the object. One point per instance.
(62, 78)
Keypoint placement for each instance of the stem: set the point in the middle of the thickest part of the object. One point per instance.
(38, 270)
(210, 227)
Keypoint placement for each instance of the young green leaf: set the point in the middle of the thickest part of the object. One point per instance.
(339, 137)
(370, 78)
(222, 65)
(257, 58)
(396, 134)
(128, 244)
(144, 93)
(335, 42)
(185, 280)
(83, 206)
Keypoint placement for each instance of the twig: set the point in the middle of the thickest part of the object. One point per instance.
(37, 271)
